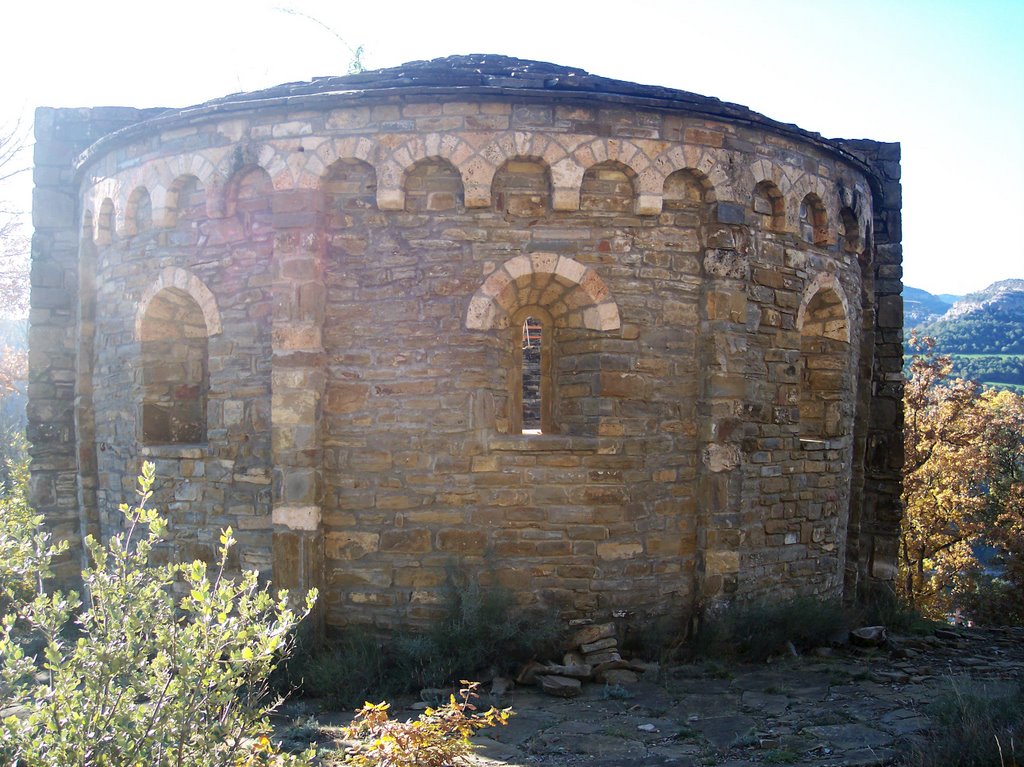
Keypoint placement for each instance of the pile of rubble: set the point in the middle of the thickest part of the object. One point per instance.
(594, 657)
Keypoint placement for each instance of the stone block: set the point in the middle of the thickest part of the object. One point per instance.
(591, 634)
(471, 542)
(406, 541)
(350, 545)
(614, 550)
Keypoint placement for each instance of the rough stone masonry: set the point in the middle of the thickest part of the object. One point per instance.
(307, 306)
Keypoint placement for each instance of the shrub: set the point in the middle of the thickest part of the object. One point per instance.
(482, 631)
(137, 676)
(994, 602)
(980, 724)
(756, 632)
(350, 668)
(437, 738)
(884, 607)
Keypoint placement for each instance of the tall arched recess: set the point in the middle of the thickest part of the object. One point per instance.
(176, 318)
(824, 362)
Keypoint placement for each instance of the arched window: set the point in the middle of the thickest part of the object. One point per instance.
(532, 384)
(175, 362)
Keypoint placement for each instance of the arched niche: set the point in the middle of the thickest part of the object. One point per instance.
(522, 187)
(686, 197)
(813, 220)
(138, 215)
(825, 380)
(608, 187)
(248, 196)
(769, 207)
(349, 186)
(186, 201)
(174, 349)
(105, 222)
(433, 185)
(849, 231)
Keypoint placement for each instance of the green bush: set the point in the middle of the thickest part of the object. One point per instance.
(25, 550)
(353, 666)
(136, 675)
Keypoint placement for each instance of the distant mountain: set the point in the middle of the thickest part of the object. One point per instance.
(990, 321)
(983, 332)
(920, 306)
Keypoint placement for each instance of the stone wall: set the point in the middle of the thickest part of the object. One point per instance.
(309, 311)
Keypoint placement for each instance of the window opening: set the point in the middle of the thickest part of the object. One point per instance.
(533, 333)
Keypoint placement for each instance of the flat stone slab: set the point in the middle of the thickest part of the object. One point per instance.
(594, 745)
(724, 731)
(764, 703)
(850, 736)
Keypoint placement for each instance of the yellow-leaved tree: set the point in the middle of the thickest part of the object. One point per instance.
(963, 494)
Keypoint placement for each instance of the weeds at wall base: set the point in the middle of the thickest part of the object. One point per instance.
(483, 632)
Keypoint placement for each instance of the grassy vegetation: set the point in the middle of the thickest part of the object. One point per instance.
(980, 724)
(483, 631)
(753, 632)
(885, 608)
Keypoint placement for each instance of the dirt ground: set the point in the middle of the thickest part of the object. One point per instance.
(855, 708)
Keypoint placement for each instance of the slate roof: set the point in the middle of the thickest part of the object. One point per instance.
(482, 73)
(476, 74)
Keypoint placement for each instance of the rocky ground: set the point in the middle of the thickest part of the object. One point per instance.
(851, 707)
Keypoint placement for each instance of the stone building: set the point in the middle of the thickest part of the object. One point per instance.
(307, 306)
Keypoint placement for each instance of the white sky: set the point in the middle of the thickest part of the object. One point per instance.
(943, 77)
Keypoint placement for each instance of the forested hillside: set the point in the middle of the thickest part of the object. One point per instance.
(983, 332)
